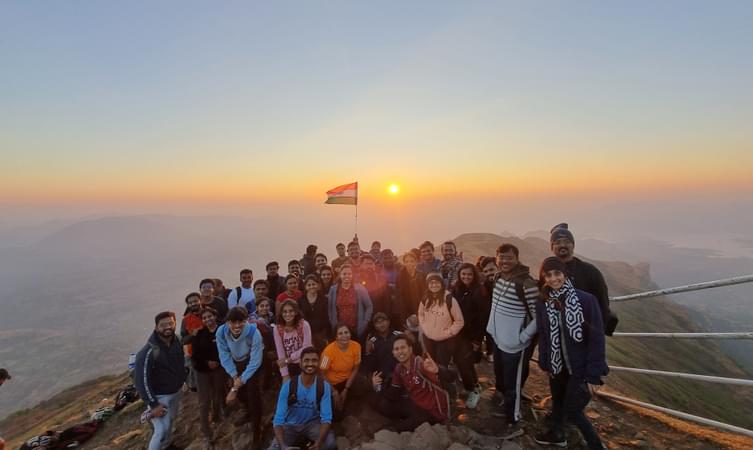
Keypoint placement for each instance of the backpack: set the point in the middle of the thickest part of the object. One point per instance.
(293, 391)
(129, 394)
(520, 291)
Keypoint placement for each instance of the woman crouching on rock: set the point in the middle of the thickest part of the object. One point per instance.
(571, 351)
(340, 362)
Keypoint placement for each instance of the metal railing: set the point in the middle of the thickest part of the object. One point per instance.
(706, 378)
(739, 335)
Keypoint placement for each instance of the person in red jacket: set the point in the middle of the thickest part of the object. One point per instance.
(419, 378)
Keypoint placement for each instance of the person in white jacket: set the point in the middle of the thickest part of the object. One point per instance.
(512, 325)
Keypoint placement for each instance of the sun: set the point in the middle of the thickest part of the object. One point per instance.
(393, 189)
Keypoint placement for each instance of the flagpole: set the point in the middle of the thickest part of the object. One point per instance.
(356, 217)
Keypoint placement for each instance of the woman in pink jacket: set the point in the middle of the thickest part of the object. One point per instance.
(292, 334)
(440, 320)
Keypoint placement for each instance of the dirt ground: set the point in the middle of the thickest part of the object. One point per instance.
(619, 426)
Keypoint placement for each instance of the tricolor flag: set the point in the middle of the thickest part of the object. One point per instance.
(347, 194)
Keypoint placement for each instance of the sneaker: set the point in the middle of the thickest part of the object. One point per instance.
(512, 430)
(551, 438)
(472, 401)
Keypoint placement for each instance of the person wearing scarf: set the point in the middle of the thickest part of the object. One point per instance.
(571, 351)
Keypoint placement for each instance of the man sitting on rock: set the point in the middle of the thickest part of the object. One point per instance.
(418, 378)
(304, 408)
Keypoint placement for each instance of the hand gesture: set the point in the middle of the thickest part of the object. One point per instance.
(369, 345)
(237, 383)
(376, 379)
(195, 332)
(281, 362)
(429, 364)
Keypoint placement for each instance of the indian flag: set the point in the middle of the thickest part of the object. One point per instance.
(347, 194)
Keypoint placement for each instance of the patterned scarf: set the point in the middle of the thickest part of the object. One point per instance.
(573, 321)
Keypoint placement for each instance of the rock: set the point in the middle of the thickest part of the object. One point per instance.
(424, 438)
(640, 435)
(390, 438)
(242, 441)
(460, 435)
(458, 446)
(352, 428)
(443, 434)
(343, 443)
(130, 435)
(376, 445)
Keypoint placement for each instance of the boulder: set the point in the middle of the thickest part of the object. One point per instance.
(343, 443)
(390, 438)
(424, 438)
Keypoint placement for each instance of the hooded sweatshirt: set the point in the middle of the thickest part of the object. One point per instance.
(160, 369)
(512, 323)
(246, 347)
(439, 322)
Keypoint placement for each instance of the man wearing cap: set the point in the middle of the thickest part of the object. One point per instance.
(583, 275)
(378, 349)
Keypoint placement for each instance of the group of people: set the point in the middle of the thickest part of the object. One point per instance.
(396, 333)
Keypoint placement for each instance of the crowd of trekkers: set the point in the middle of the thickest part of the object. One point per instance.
(395, 332)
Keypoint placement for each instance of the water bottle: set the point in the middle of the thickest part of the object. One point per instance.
(131, 362)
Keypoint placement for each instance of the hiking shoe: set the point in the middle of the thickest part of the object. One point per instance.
(512, 430)
(473, 397)
(551, 438)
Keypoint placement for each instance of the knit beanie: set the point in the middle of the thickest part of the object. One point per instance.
(560, 231)
(434, 275)
(553, 263)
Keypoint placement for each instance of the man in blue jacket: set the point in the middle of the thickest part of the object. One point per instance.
(241, 348)
(305, 414)
(159, 375)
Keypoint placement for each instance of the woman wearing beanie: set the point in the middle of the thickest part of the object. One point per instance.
(440, 320)
(571, 350)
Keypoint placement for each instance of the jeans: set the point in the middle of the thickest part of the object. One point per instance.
(163, 426)
(294, 434)
(211, 385)
(570, 396)
(514, 369)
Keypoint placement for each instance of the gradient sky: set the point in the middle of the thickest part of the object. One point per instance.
(131, 103)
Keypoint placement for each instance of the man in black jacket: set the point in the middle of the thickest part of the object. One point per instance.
(159, 376)
(584, 276)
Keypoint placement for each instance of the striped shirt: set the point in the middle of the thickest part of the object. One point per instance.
(510, 324)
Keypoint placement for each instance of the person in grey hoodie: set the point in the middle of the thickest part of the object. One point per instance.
(512, 325)
(159, 375)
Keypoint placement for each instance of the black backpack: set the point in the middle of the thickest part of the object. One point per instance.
(293, 391)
